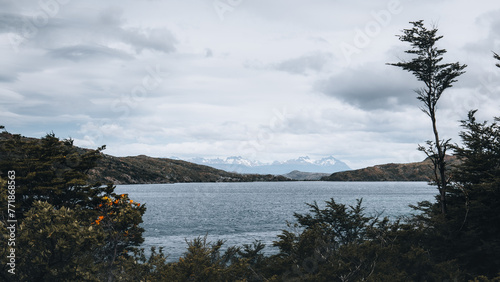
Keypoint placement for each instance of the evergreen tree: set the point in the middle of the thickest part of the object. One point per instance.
(50, 170)
(468, 236)
(426, 67)
(342, 243)
(476, 198)
(67, 229)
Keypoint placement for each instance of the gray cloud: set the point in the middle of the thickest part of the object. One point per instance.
(86, 52)
(209, 53)
(10, 22)
(490, 22)
(155, 39)
(8, 77)
(111, 23)
(108, 27)
(309, 62)
(141, 66)
(371, 87)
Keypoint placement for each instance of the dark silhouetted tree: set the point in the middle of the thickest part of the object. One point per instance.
(342, 243)
(426, 66)
(468, 236)
(477, 185)
(67, 228)
(51, 170)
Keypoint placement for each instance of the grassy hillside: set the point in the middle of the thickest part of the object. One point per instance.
(419, 171)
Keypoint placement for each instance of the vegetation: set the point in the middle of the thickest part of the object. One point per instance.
(71, 229)
(468, 234)
(419, 171)
(426, 67)
(66, 229)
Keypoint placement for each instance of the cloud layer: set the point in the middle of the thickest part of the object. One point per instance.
(268, 81)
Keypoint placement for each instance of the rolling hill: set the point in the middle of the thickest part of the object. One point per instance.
(419, 171)
(144, 170)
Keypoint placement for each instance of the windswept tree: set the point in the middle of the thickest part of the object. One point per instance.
(426, 66)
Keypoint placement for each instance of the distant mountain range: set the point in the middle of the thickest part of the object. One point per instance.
(302, 164)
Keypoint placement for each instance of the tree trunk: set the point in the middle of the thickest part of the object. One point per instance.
(441, 181)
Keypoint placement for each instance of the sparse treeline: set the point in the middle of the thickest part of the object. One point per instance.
(70, 230)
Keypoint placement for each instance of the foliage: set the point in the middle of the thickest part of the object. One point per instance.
(468, 233)
(118, 217)
(67, 229)
(53, 245)
(480, 156)
(50, 170)
(203, 261)
(340, 243)
(426, 67)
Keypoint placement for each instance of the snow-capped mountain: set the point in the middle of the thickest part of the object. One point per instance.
(304, 164)
(226, 161)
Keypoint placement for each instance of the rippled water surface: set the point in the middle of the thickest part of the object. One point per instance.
(243, 212)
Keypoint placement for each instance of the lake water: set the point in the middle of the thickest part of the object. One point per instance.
(243, 212)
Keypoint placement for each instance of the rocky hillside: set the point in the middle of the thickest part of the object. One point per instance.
(144, 169)
(305, 176)
(419, 171)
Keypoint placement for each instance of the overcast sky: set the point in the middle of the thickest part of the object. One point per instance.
(265, 80)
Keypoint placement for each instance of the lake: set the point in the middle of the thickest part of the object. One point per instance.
(243, 212)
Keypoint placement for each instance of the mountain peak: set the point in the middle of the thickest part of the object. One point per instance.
(303, 163)
(327, 161)
(300, 160)
(234, 157)
(239, 160)
(305, 159)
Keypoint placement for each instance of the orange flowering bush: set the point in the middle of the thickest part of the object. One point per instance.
(119, 218)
